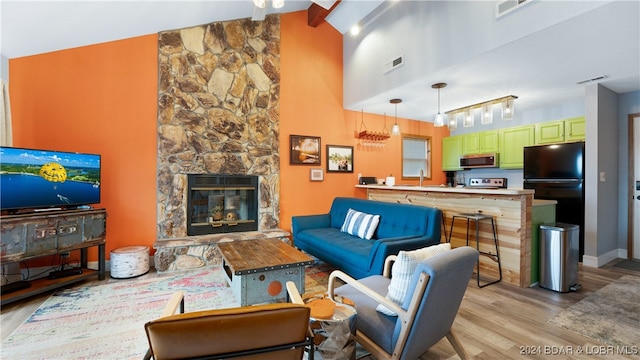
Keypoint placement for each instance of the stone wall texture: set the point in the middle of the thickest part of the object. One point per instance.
(218, 113)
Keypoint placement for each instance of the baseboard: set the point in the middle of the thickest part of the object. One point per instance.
(598, 261)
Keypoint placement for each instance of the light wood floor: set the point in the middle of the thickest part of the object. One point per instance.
(495, 322)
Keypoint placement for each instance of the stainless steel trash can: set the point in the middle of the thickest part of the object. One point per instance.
(559, 256)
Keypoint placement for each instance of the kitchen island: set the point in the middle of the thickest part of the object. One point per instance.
(511, 209)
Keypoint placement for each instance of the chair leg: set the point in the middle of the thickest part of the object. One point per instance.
(457, 346)
(495, 257)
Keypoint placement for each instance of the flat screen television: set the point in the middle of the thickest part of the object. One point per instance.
(32, 179)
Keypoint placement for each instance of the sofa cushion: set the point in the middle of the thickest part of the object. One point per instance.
(337, 247)
(360, 224)
(403, 269)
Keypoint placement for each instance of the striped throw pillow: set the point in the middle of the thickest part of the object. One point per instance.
(402, 271)
(360, 224)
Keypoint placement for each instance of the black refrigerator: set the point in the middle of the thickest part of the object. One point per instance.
(556, 172)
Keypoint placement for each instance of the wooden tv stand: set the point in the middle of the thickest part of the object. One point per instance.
(38, 234)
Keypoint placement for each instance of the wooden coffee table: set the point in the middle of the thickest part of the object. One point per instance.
(257, 270)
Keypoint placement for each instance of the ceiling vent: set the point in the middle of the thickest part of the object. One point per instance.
(393, 64)
(508, 6)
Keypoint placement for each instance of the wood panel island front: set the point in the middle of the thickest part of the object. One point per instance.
(511, 209)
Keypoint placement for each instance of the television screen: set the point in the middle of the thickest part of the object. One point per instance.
(34, 179)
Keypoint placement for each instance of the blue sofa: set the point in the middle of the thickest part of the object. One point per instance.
(401, 227)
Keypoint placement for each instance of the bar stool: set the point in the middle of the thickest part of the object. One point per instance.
(477, 217)
(444, 225)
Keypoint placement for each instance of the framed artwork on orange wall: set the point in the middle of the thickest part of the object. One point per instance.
(339, 158)
(304, 150)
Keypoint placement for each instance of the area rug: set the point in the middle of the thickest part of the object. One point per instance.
(106, 321)
(611, 315)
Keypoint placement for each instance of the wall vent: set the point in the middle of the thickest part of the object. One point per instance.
(393, 64)
(508, 6)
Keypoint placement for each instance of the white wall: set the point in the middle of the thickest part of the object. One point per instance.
(628, 104)
(435, 35)
(601, 197)
(4, 68)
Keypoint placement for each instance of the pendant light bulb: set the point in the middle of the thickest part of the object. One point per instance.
(260, 3)
(440, 118)
(395, 130)
(277, 4)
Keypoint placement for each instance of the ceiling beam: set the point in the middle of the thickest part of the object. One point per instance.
(317, 14)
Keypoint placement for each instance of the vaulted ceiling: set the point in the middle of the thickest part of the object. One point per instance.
(35, 27)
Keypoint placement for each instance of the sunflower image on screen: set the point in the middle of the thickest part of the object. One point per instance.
(53, 172)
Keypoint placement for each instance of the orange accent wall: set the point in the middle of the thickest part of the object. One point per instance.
(103, 99)
(311, 103)
(98, 99)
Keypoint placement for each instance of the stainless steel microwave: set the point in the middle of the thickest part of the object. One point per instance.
(479, 161)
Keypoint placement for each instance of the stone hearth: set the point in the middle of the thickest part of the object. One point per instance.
(199, 251)
(218, 113)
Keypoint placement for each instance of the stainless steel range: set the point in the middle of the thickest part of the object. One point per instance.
(488, 183)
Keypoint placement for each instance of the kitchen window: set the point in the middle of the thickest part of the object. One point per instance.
(416, 156)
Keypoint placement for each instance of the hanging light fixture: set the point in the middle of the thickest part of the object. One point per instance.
(440, 118)
(507, 109)
(452, 124)
(276, 4)
(486, 116)
(467, 117)
(486, 110)
(395, 130)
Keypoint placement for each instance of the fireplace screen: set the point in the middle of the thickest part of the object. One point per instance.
(222, 203)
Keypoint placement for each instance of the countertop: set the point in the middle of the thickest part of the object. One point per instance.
(442, 188)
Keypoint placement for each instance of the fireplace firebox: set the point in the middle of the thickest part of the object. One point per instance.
(221, 203)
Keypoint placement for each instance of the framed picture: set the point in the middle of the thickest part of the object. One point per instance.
(316, 175)
(339, 158)
(304, 150)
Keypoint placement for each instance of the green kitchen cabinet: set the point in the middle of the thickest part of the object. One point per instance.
(575, 129)
(482, 142)
(489, 141)
(451, 151)
(470, 144)
(550, 132)
(512, 142)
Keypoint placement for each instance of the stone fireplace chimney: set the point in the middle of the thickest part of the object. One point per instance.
(218, 113)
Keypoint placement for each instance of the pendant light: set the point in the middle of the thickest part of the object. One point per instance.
(507, 109)
(440, 118)
(486, 117)
(395, 130)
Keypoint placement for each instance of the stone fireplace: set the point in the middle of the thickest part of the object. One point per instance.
(218, 113)
(221, 203)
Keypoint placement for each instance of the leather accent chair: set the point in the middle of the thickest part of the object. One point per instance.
(436, 290)
(271, 331)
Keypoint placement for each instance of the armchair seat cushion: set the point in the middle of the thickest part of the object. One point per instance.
(372, 323)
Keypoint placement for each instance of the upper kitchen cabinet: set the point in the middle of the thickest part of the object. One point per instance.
(513, 140)
(451, 151)
(554, 132)
(550, 132)
(575, 129)
(482, 142)
(489, 141)
(470, 144)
